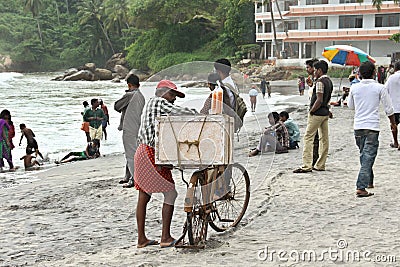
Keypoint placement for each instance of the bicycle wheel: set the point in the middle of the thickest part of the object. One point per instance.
(228, 210)
(196, 221)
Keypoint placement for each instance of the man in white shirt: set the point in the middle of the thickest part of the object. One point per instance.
(365, 98)
(393, 87)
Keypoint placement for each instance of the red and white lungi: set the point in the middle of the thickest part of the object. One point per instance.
(148, 177)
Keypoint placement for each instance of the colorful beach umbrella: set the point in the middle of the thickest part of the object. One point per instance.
(346, 55)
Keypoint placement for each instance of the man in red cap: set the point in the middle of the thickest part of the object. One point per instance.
(148, 177)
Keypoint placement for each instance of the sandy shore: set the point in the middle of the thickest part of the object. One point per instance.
(78, 215)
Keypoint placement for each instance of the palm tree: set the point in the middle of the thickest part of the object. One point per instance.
(91, 12)
(274, 28)
(116, 13)
(34, 6)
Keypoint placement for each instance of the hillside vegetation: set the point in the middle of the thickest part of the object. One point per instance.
(43, 35)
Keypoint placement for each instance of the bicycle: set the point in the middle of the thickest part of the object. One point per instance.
(216, 196)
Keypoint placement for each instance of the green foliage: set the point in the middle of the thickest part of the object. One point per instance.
(395, 38)
(56, 34)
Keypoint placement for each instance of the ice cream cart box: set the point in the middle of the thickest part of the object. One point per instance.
(194, 141)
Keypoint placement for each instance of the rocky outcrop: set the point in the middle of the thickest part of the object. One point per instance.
(116, 59)
(85, 75)
(5, 63)
(102, 74)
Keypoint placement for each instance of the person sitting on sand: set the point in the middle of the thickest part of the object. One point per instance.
(91, 152)
(31, 141)
(29, 160)
(275, 137)
(293, 130)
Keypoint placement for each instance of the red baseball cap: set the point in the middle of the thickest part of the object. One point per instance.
(170, 85)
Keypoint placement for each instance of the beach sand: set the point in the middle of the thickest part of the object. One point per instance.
(78, 215)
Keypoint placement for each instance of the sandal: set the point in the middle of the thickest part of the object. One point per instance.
(363, 193)
(300, 170)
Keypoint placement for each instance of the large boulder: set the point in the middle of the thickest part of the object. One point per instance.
(90, 67)
(80, 75)
(2, 68)
(102, 74)
(67, 73)
(142, 75)
(116, 59)
(121, 71)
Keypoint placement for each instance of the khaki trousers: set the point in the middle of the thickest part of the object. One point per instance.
(314, 124)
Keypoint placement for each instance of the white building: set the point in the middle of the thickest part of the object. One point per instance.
(314, 24)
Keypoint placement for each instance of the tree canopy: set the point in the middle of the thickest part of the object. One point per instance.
(53, 34)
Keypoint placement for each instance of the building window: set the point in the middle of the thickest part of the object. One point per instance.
(292, 25)
(387, 20)
(317, 23)
(267, 7)
(289, 3)
(316, 2)
(348, 1)
(268, 27)
(259, 8)
(259, 28)
(350, 22)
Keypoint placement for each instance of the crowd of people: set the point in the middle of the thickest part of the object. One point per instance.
(138, 126)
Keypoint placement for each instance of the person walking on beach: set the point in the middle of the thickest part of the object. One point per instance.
(130, 106)
(318, 120)
(31, 141)
(106, 120)
(94, 116)
(301, 83)
(5, 143)
(393, 87)
(85, 124)
(365, 98)
(263, 87)
(269, 89)
(253, 98)
(148, 177)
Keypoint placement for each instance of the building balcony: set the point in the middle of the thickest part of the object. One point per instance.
(330, 35)
(326, 10)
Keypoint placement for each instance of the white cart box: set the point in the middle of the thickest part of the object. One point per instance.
(194, 141)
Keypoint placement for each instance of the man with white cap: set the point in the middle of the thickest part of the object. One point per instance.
(148, 177)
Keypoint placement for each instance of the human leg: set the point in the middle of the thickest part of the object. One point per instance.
(323, 143)
(368, 143)
(312, 127)
(395, 143)
(141, 207)
(167, 212)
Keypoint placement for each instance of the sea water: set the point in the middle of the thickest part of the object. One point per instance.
(52, 109)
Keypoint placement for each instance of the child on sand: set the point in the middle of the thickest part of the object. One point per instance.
(31, 141)
(29, 160)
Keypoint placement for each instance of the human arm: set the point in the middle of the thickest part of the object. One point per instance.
(22, 136)
(320, 96)
(350, 100)
(388, 106)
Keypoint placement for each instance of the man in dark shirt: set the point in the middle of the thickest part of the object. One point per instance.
(95, 116)
(317, 120)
